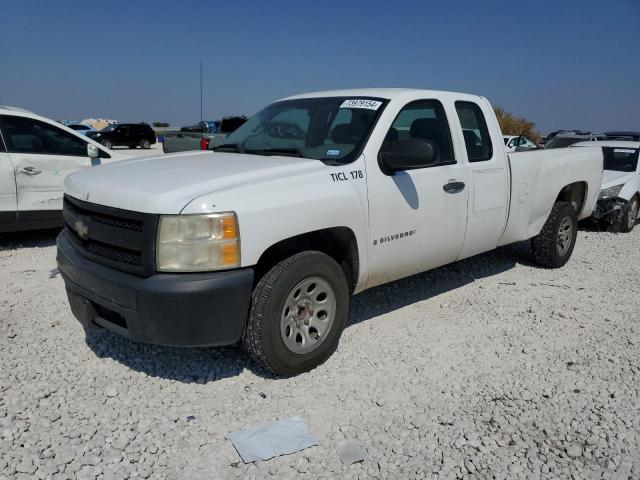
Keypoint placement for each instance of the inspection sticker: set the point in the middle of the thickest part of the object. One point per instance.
(623, 150)
(333, 153)
(361, 103)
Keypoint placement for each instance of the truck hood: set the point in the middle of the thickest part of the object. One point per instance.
(611, 178)
(167, 183)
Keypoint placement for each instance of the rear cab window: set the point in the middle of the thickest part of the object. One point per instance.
(475, 132)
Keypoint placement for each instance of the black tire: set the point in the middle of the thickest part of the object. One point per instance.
(107, 144)
(145, 144)
(630, 210)
(263, 339)
(547, 250)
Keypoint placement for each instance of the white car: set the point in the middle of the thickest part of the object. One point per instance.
(315, 197)
(512, 142)
(619, 199)
(36, 154)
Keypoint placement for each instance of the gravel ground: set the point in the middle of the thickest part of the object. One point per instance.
(488, 368)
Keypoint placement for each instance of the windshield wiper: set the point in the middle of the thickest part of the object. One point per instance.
(292, 151)
(229, 146)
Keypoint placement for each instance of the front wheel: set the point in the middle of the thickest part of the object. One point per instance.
(298, 311)
(553, 246)
(630, 215)
(107, 143)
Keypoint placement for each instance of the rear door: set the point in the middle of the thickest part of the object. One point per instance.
(8, 198)
(488, 176)
(42, 155)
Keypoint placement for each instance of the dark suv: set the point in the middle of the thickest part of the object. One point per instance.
(130, 135)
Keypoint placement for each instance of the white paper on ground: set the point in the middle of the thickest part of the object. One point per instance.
(263, 442)
(350, 452)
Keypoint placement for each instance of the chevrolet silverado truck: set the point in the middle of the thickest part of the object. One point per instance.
(316, 197)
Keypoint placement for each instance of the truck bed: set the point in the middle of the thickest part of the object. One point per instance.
(536, 180)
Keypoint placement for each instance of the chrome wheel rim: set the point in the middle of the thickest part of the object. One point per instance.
(633, 214)
(565, 235)
(308, 315)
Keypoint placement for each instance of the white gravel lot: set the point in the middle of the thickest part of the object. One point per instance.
(488, 368)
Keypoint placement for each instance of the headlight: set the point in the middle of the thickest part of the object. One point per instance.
(198, 243)
(611, 191)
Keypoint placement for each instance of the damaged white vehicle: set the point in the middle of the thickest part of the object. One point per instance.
(36, 154)
(316, 197)
(619, 199)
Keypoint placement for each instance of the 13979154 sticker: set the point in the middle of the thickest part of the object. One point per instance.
(361, 103)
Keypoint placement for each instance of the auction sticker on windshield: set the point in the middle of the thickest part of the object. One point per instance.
(361, 103)
(624, 150)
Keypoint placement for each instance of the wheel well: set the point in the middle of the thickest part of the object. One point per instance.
(337, 242)
(574, 193)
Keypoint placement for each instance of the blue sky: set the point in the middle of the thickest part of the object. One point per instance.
(562, 64)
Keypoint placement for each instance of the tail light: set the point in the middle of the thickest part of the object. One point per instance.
(204, 144)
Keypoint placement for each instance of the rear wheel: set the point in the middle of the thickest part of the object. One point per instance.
(107, 143)
(553, 246)
(630, 215)
(145, 144)
(298, 311)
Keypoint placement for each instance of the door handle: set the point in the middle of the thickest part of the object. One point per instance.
(453, 187)
(31, 171)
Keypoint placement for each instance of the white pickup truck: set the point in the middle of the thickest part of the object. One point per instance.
(316, 197)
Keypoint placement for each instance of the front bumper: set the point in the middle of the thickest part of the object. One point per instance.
(199, 309)
(610, 209)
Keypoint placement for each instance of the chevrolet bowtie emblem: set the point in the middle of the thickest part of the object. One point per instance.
(82, 229)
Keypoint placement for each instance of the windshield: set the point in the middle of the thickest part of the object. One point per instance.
(330, 129)
(620, 159)
(109, 128)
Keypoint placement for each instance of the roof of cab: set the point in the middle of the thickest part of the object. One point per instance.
(386, 93)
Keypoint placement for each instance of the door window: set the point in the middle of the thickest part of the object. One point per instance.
(474, 129)
(27, 135)
(424, 120)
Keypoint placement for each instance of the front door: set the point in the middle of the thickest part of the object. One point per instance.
(417, 216)
(42, 156)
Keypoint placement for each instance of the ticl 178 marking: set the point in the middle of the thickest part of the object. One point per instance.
(342, 176)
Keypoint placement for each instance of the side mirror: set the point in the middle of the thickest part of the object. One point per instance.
(408, 154)
(92, 151)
